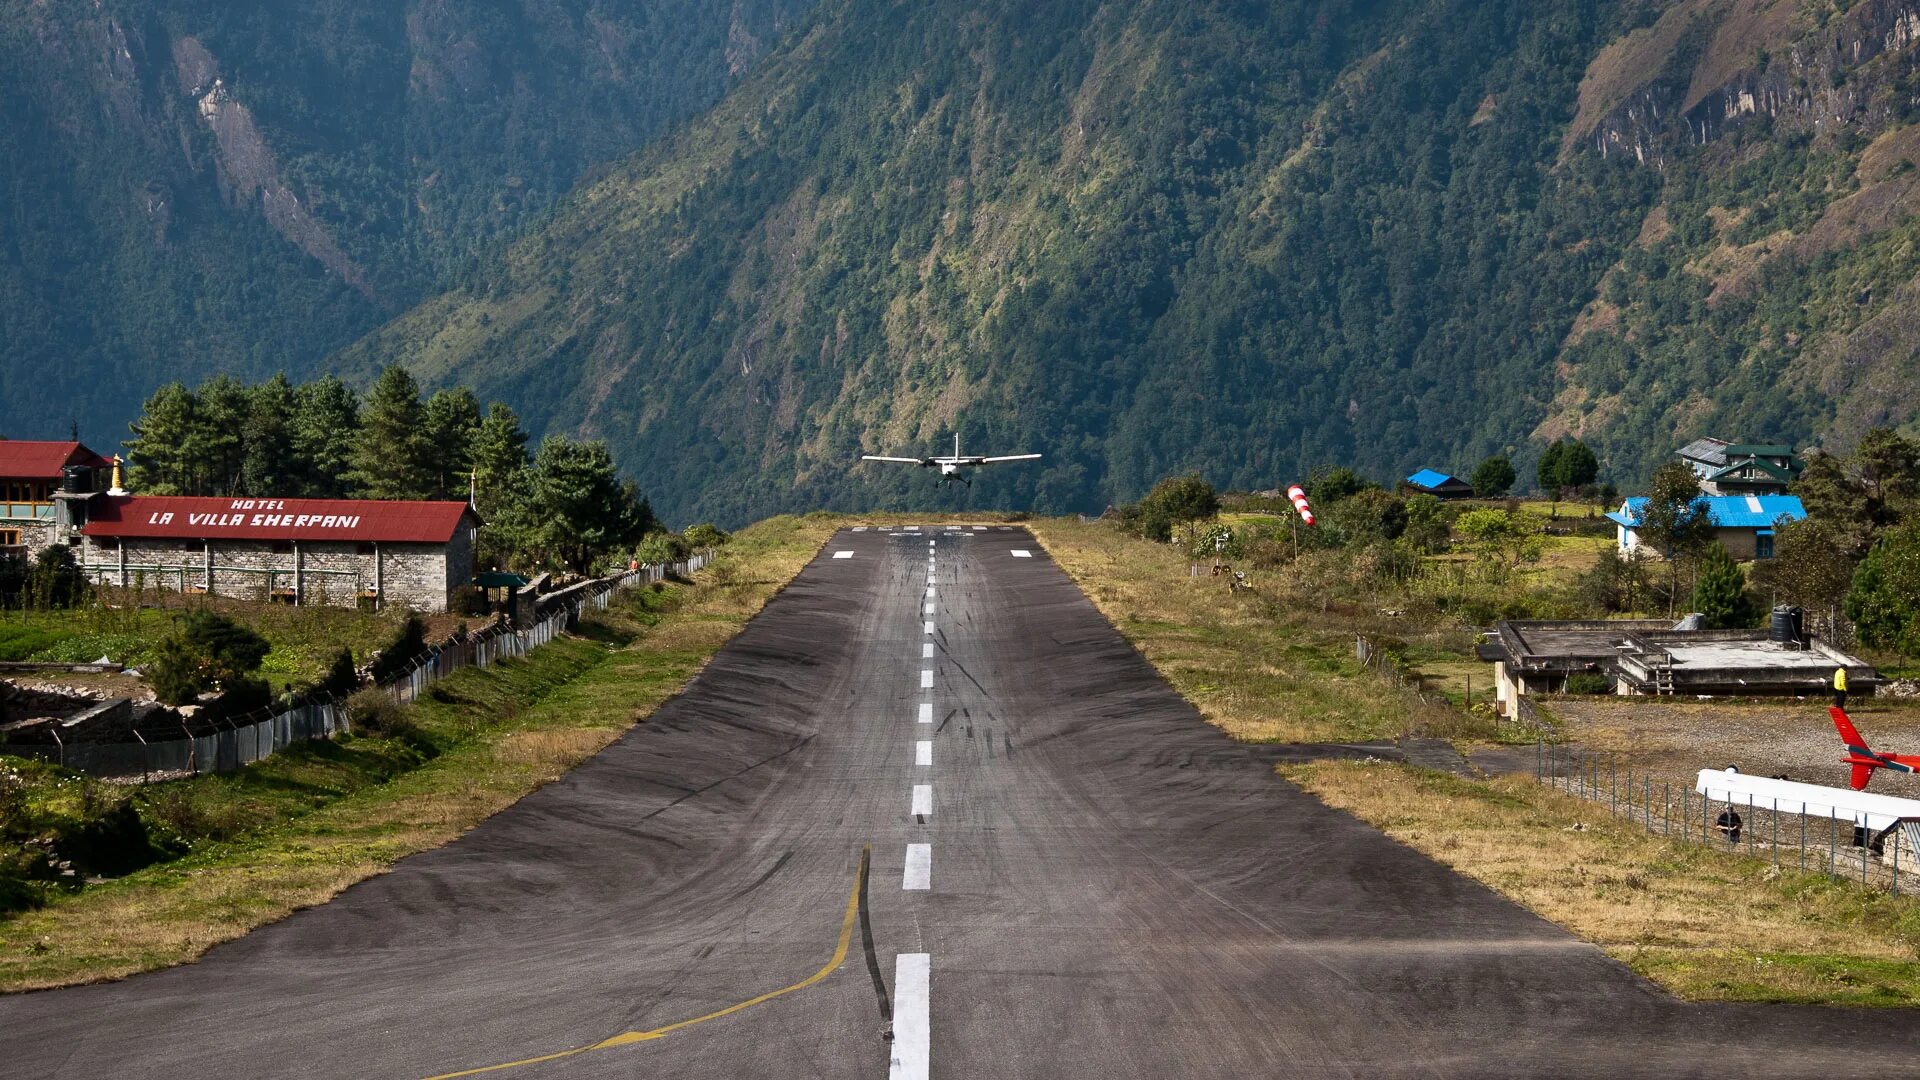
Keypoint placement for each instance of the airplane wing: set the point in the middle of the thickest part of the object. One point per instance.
(901, 460)
(1010, 457)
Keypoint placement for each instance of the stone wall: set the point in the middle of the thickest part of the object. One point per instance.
(419, 576)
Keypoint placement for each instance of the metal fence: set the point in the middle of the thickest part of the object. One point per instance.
(1771, 830)
(246, 739)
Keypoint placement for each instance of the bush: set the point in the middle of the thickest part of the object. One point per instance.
(342, 677)
(1588, 682)
(661, 548)
(1720, 593)
(399, 654)
(1173, 501)
(205, 652)
(373, 711)
(468, 600)
(704, 536)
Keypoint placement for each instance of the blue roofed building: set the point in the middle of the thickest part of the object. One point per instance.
(1434, 482)
(1744, 524)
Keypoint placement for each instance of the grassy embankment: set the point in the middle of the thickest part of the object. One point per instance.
(1706, 925)
(247, 848)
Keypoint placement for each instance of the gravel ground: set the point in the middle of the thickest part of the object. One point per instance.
(1785, 737)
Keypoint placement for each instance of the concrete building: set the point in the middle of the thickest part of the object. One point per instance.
(37, 479)
(1654, 657)
(1726, 468)
(1743, 524)
(304, 551)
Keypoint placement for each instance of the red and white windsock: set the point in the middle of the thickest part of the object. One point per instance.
(1299, 497)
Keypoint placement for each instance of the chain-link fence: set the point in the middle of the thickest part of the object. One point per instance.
(245, 739)
(1790, 834)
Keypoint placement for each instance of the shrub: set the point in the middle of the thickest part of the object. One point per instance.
(1884, 601)
(704, 536)
(407, 644)
(373, 711)
(205, 652)
(1720, 594)
(468, 600)
(342, 677)
(661, 548)
(1588, 682)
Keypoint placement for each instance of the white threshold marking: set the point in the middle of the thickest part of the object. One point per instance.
(929, 625)
(926, 650)
(912, 1056)
(926, 678)
(926, 712)
(923, 754)
(1022, 553)
(922, 800)
(953, 528)
(843, 554)
(859, 528)
(918, 874)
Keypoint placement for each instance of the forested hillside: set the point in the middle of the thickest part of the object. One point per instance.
(1247, 240)
(200, 186)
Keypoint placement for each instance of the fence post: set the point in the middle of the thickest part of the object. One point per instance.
(1776, 831)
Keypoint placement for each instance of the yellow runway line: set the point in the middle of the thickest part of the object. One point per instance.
(629, 1037)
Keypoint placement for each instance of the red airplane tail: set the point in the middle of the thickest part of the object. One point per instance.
(1857, 749)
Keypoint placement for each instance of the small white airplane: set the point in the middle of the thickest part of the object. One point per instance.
(950, 466)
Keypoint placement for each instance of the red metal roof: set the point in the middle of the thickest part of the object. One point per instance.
(28, 459)
(197, 518)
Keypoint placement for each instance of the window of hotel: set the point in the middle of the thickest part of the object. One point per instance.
(9, 537)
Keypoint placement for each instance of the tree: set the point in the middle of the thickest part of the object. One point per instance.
(394, 457)
(162, 436)
(205, 652)
(499, 456)
(1547, 473)
(1675, 520)
(55, 580)
(1720, 594)
(1429, 525)
(1812, 566)
(1328, 486)
(325, 428)
(216, 444)
(1493, 477)
(452, 421)
(269, 464)
(1888, 466)
(1884, 601)
(1172, 501)
(584, 510)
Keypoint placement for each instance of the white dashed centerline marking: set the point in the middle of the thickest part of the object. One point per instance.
(926, 650)
(926, 712)
(1022, 553)
(922, 801)
(918, 875)
(926, 679)
(843, 554)
(923, 753)
(912, 1056)
(929, 625)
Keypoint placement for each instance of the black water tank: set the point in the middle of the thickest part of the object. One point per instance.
(76, 479)
(1785, 626)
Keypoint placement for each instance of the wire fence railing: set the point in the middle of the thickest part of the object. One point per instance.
(242, 740)
(1789, 835)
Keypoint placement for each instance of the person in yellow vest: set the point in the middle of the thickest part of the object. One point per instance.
(1840, 688)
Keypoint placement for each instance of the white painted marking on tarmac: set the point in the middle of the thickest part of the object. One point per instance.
(926, 679)
(926, 712)
(919, 871)
(929, 625)
(929, 590)
(859, 528)
(843, 554)
(923, 754)
(1022, 553)
(929, 611)
(912, 1057)
(922, 800)
(926, 650)
(953, 528)
(979, 528)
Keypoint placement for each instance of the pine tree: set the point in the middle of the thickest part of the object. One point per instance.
(584, 510)
(158, 449)
(215, 439)
(452, 420)
(326, 427)
(394, 458)
(1578, 466)
(269, 465)
(1720, 594)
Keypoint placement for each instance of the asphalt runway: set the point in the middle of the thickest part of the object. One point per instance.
(1071, 876)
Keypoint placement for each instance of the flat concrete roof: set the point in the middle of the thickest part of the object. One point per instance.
(1767, 655)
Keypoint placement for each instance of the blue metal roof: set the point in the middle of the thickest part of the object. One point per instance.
(1727, 511)
(1430, 478)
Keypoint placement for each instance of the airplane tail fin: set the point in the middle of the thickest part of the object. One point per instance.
(1861, 774)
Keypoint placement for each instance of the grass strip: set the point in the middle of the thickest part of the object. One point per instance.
(1259, 668)
(299, 827)
(1707, 925)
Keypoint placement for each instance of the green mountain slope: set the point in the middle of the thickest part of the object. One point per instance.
(192, 186)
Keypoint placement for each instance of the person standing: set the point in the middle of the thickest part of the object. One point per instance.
(1840, 688)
